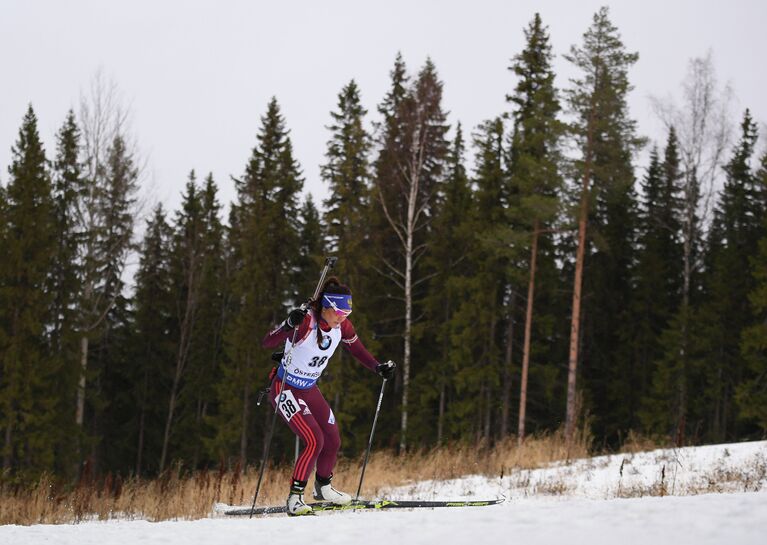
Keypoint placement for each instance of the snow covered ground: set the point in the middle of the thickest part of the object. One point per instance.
(604, 500)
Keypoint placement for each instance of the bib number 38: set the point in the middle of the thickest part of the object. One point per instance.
(288, 405)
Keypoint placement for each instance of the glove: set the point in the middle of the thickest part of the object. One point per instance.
(295, 318)
(386, 369)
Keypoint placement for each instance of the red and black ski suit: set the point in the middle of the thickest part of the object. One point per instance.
(304, 408)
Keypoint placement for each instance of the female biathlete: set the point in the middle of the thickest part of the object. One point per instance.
(319, 332)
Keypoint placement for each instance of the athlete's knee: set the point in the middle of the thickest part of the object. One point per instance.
(320, 440)
(332, 439)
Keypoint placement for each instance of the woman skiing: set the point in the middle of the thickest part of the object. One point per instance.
(317, 332)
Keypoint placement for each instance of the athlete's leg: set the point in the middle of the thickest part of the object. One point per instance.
(304, 425)
(323, 415)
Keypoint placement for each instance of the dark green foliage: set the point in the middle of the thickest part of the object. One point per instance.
(450, 263)
(347, 173)
(658, 279)
(154, 349)
(265, 238)
(733, 241)
(68, 186)
(439, 260)
(477, 328)
(607, 138)
(536, 185)
(751, 394)
(408, 173)
(28, 400)
(104, 308)
(197, 270)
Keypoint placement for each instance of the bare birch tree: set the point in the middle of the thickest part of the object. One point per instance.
(703, 127)
(408, 204)
(105, 212)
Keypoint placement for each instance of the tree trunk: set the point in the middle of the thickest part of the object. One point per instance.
(681, 386)
(142, 422)
(80, 413)
(442, 377)
(408, 330)
(409, 251)
(441, 417)
(528, 334)
(245, 412)
(575, 323)
(8, 439)
(488, 415)
(507, 378)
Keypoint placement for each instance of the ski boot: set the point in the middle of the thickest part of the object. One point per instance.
(324, 491)
(295, 501)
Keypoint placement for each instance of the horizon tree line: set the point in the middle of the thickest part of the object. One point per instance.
(554, 276)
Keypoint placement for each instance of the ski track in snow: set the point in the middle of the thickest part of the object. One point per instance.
(584, 510)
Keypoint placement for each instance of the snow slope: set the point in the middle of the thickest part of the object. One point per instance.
(738, 467)
(570, 504)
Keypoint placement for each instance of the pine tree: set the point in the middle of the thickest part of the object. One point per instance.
(534, 170)
(606, 137)
(29, 396)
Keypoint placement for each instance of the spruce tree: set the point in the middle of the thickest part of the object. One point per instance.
(113, 243)
(265, 235)
(477, 327)
(154, 326)
(347, 172)
(311, 246)
(187, 263)
(68, 186)
(450, 264)
(535, 173)
(658, 276)
(29, 393)
(206, 351)
(751, 393)
(733, 241)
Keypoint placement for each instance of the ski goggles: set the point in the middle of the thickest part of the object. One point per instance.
(340, 303)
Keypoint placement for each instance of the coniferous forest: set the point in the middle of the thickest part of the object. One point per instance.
(526, 274)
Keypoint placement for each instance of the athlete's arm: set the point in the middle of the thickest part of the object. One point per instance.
(281, 333)
(352, 344)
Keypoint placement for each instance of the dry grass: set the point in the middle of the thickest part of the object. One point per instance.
(192, 496)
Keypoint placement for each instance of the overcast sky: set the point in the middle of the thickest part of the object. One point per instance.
(197, 75)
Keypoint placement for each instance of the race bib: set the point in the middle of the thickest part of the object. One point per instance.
(287, 404)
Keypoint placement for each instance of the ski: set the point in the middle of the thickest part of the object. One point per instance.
(379, 504)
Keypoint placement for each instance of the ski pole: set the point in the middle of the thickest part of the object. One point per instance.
(329, 264)
(370, 441)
